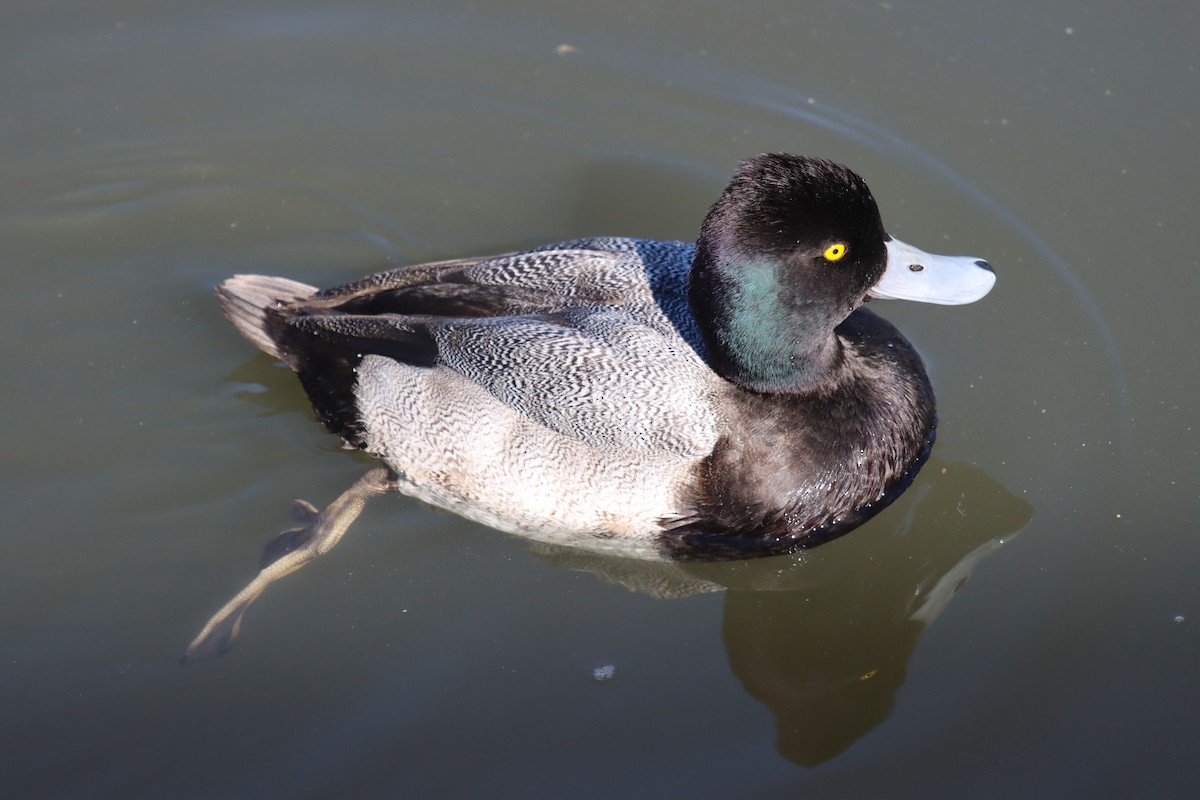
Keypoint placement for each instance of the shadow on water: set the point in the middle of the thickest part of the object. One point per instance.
(823, 638)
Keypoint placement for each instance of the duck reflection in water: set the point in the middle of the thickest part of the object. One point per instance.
(828, 658)
(823, 637)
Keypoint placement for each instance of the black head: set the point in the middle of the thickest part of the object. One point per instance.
(789, 250)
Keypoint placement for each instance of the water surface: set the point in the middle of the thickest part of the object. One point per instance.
(1022, 622)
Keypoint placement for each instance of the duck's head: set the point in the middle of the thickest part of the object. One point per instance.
(791, 248)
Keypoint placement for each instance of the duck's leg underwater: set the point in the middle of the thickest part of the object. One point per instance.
(286, 553)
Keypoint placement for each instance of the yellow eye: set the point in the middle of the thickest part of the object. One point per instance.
(835, 252)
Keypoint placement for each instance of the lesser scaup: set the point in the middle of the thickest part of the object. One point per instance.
(726, 399)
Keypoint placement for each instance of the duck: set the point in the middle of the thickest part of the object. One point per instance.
(730, 398)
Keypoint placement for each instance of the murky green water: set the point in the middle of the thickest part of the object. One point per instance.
(147, 152)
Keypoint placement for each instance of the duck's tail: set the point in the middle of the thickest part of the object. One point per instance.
(248, 300)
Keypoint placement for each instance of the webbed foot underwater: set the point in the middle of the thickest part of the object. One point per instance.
(730, 398)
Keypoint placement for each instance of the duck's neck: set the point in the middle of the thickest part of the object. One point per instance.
(757, 335)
